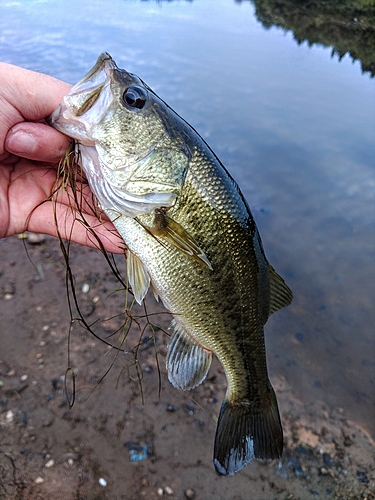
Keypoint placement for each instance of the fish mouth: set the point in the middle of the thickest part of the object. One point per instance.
(102, 68)
(76, 115)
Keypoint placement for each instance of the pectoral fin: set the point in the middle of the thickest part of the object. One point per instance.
(280, 294)
(138, 276)
(187, 362)
(167, 228)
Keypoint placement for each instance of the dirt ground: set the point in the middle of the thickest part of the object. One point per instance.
(126, 438)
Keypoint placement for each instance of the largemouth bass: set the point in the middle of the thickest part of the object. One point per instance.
(191, 237)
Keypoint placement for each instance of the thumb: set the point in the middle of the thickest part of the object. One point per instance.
(36, 141)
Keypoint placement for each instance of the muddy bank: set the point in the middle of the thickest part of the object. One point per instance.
(130, 434)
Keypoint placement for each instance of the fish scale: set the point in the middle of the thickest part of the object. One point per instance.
(191, 236)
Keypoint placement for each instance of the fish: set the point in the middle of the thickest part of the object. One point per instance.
(192, 240)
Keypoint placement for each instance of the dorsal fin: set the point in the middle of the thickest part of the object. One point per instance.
(187, 362)
(280, 294)
(138, 277)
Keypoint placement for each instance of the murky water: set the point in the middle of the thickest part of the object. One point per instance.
(293, 125)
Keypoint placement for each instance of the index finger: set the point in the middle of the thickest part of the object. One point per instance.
(33, 94)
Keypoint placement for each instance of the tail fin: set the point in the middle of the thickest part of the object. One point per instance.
(247, 430)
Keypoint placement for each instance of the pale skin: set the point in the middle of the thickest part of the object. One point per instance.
(29, 154)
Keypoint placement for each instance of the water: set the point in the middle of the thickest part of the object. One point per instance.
(294, 126)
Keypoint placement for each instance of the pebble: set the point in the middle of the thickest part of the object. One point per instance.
(39, 480)
(9, 416)
(160, 492)
(35, 238)
(50, 463)
(8, 296)
(102, 482)
(85, 288)
(189, 494)
(23, 378)
(168, 490)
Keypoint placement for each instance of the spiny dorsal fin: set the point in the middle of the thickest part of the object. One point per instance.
(177, 236)
(187, 362)
(280, 294)
(138, 276)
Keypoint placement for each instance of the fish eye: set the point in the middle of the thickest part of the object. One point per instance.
(135, 97)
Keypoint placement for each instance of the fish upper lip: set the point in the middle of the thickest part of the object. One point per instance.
(104, 63)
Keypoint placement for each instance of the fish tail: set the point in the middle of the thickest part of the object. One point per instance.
(247, 430)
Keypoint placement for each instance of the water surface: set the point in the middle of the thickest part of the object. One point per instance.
(294, 126)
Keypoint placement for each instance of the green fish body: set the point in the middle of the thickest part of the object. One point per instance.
(191, 237)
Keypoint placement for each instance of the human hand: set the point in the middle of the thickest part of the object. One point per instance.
(29, 153)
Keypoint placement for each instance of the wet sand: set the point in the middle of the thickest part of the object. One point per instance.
(130, 434)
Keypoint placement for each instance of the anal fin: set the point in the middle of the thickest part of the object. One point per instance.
(187, 362)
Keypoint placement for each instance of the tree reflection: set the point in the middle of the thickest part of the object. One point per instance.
(348, 26)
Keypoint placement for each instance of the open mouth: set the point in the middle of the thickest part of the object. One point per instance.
(86, 102)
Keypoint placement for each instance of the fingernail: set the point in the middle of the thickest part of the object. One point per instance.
(20, 143)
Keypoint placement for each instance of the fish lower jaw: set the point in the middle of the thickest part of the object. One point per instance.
(66, 123)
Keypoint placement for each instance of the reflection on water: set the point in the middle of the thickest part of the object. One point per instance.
(348, 26)
(292, 125)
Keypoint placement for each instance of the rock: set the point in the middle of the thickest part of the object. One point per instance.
(9, 417)
(35, 238)
(189, 494)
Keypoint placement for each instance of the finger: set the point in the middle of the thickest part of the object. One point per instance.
(35, 95)
(36, 141)
(69, 226)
